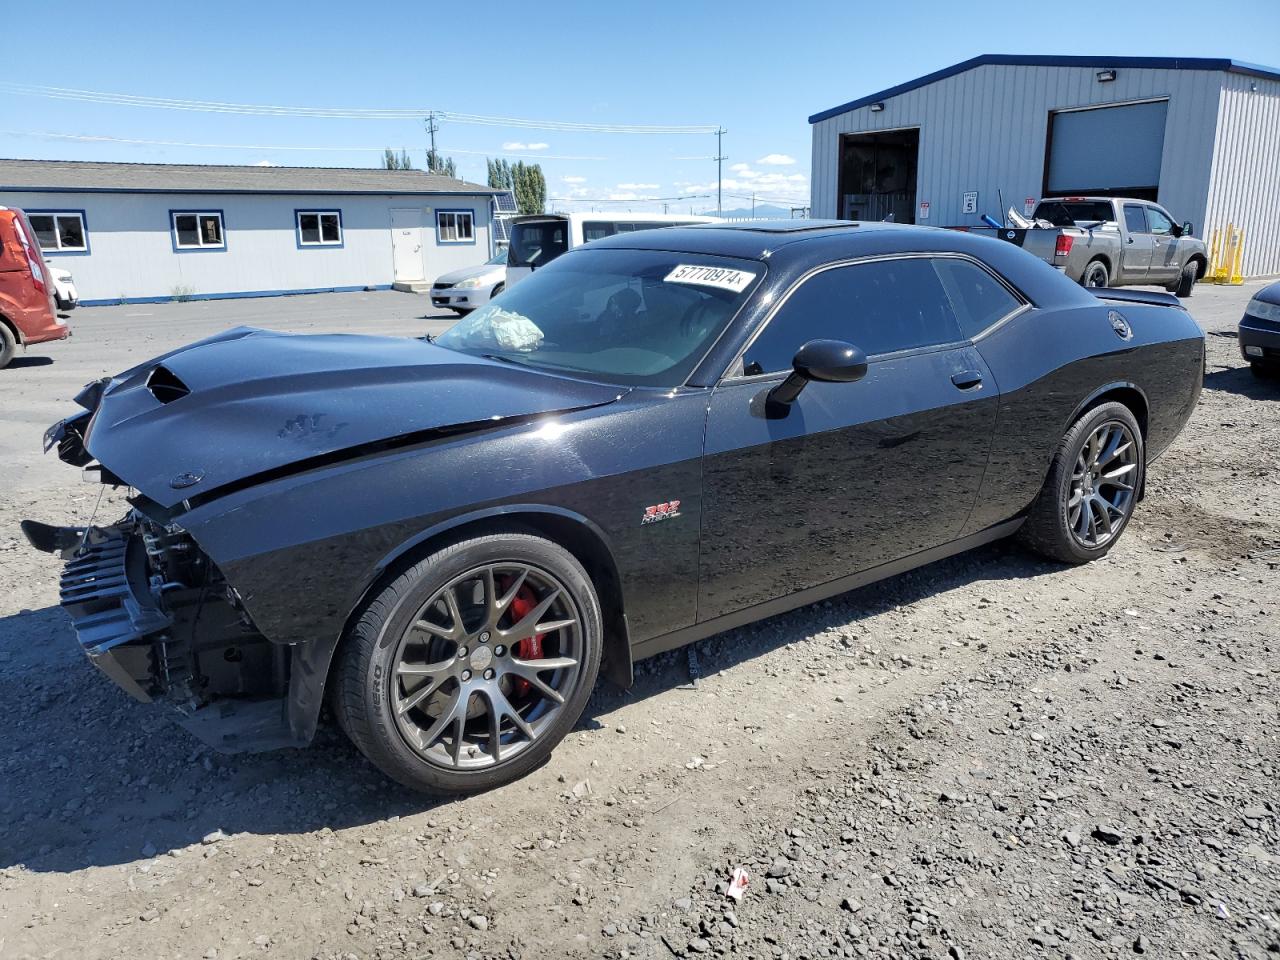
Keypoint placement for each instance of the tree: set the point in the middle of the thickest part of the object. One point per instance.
(530, 187)
(393, 161)
(441, 165)
(500, 174)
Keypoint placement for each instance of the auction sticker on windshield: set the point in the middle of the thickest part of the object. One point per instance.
(722, 277)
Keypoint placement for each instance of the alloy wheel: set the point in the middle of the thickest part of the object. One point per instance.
(1100, 496)
(487, 665)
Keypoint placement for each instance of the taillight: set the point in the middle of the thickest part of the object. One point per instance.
(1063, 247)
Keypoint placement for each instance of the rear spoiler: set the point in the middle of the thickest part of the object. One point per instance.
(1136, 296)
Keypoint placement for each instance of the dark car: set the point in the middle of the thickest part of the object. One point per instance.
(660, 436)
(1260, 332)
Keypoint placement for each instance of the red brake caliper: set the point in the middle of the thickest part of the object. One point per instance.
(530, 648)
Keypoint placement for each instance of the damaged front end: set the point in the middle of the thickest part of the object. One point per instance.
(153, 613)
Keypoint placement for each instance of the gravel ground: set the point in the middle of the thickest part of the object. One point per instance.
(990, 757)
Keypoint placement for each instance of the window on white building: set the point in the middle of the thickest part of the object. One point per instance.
(60, 231)
(319, 228)
(455, 226)
(198, 230)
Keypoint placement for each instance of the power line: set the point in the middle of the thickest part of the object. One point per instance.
(87, 138)
(341, 113)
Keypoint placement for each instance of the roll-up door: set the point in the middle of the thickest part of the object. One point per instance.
(1107, 150)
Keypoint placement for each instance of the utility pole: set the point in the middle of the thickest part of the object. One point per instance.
(753, 204)
(432, 126)
(720, 159)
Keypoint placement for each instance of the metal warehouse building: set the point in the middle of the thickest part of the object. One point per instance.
(1201, 136)
(145, 232)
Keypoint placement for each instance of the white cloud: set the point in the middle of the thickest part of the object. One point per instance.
(517, 145)
(776, 160)
(574, 179)
(627, 195)
(264, 163)
(637, 186)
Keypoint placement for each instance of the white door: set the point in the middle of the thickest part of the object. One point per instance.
(406, 244)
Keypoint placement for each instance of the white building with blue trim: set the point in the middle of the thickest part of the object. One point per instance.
(149, 232)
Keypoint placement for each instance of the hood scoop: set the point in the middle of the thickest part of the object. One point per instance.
(165, 385)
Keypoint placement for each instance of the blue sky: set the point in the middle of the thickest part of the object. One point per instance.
(759, 69)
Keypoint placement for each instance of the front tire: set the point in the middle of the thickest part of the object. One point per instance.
(1092, 487)
(1187, 280)
(1095, 275)
(465, 671)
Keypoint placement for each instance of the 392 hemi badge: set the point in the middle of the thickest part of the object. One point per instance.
(661, 511)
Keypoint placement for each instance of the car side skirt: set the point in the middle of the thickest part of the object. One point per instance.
(761, 611)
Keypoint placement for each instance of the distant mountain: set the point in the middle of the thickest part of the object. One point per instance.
(763, 210)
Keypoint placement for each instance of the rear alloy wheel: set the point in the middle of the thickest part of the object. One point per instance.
(1092, 487)
(8, 345)
(1095, 275)
(471, 666)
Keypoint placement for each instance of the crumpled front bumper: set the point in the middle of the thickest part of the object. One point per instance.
(104, 589)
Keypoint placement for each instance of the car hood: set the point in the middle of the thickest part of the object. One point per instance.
(496, 270)
(1269, 294)
(252, 404)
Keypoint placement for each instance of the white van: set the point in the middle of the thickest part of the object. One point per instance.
(537, 239)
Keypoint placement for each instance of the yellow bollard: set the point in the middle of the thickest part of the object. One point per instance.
(1237, 263)
(1214, 273)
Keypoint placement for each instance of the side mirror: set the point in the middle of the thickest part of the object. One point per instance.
(1187, 230)
(827, 361)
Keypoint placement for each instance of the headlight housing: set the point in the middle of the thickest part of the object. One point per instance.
(468, 284)
(1263, 310)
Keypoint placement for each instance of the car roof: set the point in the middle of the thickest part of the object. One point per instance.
(773, 239)
(797, 245)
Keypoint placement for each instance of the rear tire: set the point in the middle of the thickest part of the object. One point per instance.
(1092, 487)
(8, 345)
(1187, 280)
(412, 637)
(1095, 274)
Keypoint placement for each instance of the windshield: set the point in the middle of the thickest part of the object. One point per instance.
(642, 317)
(496, 259)
(536, 243)
(1067, 213)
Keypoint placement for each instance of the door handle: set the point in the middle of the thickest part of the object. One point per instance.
(967, 379)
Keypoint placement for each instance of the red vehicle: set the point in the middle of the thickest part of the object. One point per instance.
(27, 311)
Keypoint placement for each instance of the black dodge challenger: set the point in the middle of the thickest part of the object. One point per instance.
(659, 436)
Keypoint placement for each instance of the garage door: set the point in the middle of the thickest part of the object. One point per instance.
(1107, 150)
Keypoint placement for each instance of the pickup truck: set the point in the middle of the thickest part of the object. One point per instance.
(1110, 242)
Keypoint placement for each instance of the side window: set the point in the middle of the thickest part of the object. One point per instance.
(1135, 221)
(880, 307)
(977, 298)
(597, 229)
(1159, 224)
